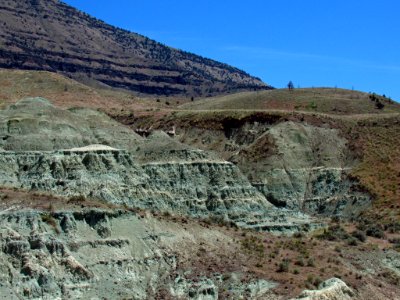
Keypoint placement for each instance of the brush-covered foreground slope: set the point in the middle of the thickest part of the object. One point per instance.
(322, 100)
(53, 247)
(52, 36)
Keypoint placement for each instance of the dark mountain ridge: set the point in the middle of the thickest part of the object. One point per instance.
(53, 36)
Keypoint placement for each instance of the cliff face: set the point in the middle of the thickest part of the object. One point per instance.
(273, 166)
(157, 172)
(199, 187)
(296, 165)
(52, 36)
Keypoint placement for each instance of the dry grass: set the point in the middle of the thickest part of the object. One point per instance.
(378, 142)
(65, 92)
(296, 263)
(18, 199)
(322, 100)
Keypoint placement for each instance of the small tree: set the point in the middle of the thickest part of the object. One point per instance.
(290, 85)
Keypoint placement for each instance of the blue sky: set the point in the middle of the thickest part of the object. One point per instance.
(349, 44)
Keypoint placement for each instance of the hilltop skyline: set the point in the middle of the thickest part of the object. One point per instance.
(313, 44)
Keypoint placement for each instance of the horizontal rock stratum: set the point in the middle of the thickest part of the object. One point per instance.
(49, 35)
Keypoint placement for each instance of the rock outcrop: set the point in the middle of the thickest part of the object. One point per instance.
(198, 187)
(157, 172)
(295, 165)
(332, 289)
(66, 255)
(35, 124)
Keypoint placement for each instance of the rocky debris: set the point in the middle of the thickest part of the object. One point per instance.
(138, 259)
(332, 289)
(201, 290)
(208, 288)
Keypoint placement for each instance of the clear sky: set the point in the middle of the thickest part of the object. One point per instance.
(343, 43)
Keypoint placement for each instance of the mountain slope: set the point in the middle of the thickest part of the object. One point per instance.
(52, 36)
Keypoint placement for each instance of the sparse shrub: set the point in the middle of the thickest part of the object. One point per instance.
(390, 276)
(375, 231)
(298, 235)
(393, 227)
(296, 272)
(49, 219)
(166, 214)
(373, 97)
(359, 235)
(338, 249)
(394, 241)
(379, 105)
(334, 233)
(77, 199)
(253, 245)
(283, 266)
(352, 241)
(310, 262)
(312, 105)
(317, 281)
(299, 262)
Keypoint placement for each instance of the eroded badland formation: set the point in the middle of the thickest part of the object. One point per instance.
(143, 192)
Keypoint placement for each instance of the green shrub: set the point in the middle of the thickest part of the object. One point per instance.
(77, 199)
(253, 245)
(359, 235)
(299, 262)
(375, 231)
(333, 233)
(49, 219)
(283, 266)
(352, 241)
(310, 262)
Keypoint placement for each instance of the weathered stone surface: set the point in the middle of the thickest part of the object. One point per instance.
(138, 259)
(294, 164)
(332, 289)
(34, 124)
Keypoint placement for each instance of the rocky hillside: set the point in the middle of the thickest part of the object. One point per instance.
(47, 149)
(52, 36)
(182, 204)
(52, 247)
